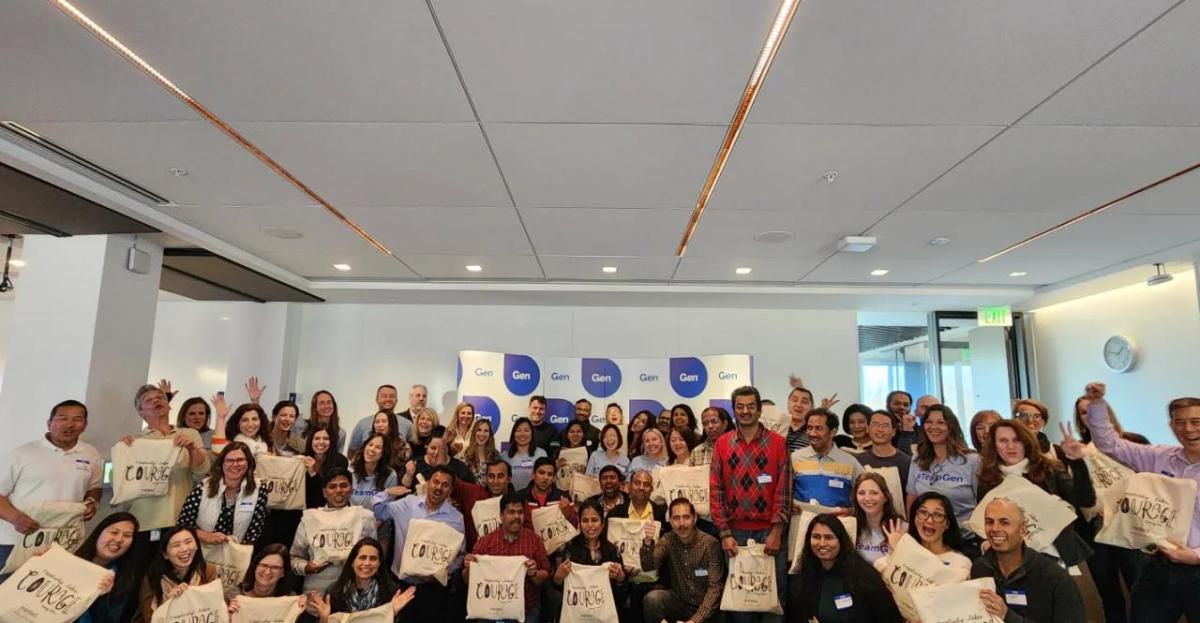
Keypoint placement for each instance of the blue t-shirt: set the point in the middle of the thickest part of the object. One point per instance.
(522, 467)
(956, 478)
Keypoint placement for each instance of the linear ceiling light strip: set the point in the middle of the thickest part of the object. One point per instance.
(1092, 212)
(120, 48)
(783, 19)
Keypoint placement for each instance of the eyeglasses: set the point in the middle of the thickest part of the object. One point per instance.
(235, 461)
(1029, 415)
(271, 568)
(931, 517)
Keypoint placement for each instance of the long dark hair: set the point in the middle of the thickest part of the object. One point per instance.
(308, 445)
(574, 424)
(181, 422)
(284, 585)
(1040, 466)
(956, 444)
(280, 406)
(889, 511)
(345, 582)
(161, 568)
(854, 571)
(216, 473)
(691, 416)
(234, 423)
(952, 537)
(595, 505)
(634, 443)
(689, 437)
(334, 425)
(512, 437)
(128, 569)
(383, 468)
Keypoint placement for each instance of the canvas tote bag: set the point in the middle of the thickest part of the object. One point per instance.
(954, 603)
(486, 516)
(496, 588)
(1045, 515)
(552, 526)
(891, 476)
(587, 596)
(332, 533)
(682, 481)
(55, 587)
(143, 469)
(751, 584)
(231, 560)
(1147, 509)
(266, 610)
(627, 535)
(61, 522)
(912, 566)
(429, 549)
(798, 529)
(283, 477)
(584, 486)
(198, 603)
(1105, 473)
(576, 462)
(382, 614)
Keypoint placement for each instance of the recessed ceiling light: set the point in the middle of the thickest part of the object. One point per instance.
(879, 272)
(744, 270)
(282, 233)
(342, 266)
(609, 269)
(1017, 273)
(17, 263)
(939, 242)
(474, 268)
(775, 235)
(829, 176)
(224, 317)
(178, 172)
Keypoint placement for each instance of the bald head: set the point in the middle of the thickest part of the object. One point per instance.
(1004, 523)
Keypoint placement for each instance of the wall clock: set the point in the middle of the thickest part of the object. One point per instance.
(1119, 354)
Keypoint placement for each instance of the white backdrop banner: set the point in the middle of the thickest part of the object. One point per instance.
(500, 384)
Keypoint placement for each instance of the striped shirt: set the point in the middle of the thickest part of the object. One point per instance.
(695, 569)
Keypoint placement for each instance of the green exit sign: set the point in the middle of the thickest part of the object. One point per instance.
(995, 316)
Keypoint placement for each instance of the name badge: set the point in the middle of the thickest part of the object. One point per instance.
(843, 602)
(702, 573)
(764, 479)
(837, 484)
(155, 536)
(1016, 598)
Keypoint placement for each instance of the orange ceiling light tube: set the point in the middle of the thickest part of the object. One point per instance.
(120, 48)
(779, 27)
(1093, 212)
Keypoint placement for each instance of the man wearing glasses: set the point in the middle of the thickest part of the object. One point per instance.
(1166, 589)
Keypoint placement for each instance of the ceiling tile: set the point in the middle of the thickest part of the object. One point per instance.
(564, 268)
(242, 227)
(906, 234)
(294, 60)
(1153, 80)
(490, 231)
(938, 61)
(857, 267)
(878, 167)
(522, 267)
(386, 164)
(773, 269)
(596, 231)
(724, 233)
(1061, 169)
(626, 61)
(605, 166)
(219, 172)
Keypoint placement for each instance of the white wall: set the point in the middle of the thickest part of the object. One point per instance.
(351, 349)
(1164, 323)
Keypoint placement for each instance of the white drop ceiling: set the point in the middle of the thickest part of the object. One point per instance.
(546, 139)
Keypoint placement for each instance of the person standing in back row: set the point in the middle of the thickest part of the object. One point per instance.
(545, 434)
(752, 454)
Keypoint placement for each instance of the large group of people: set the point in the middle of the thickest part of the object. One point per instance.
(403, 466)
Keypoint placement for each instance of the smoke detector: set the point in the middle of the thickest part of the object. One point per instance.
(775, 235)
(1160, 276)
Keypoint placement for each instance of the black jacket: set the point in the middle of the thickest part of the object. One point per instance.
(873, 605)
(1051, 594)
(547, 437)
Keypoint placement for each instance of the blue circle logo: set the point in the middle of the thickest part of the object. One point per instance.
(637, 405)
(601, 377)
(521, 374)
(559, 412)
(689, 377)
(485, 408)
(724, 403)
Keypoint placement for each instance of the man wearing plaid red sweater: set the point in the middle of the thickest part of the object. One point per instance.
(751, 493)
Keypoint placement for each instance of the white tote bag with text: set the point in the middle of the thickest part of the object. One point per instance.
(382, 614)
(429, 549)
(496, 588)
(576, 459)
(1148, 509)
(751, 584)
(584, 486)
(954, 603)
(332, 533)
(587, 596)
(283, 477)
(486, 516)
(627, 535)
(552, 526)
(681, 481)
(231, 559)
(143, 469)
(55, 587)
(1105, 473)
(198, 603)
(912, 566)
(1045, 515)
(266, 610)
(60, 522)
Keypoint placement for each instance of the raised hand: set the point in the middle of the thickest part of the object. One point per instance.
(221, 407)
(254, 390)
(1095, 391)
(829, 402)
(1070, 445)
(401, 599)
(165, 386)
(894, 530)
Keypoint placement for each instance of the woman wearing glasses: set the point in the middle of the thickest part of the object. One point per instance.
(269, 575)
(1034, 414)
(935, 528)
(229, 504)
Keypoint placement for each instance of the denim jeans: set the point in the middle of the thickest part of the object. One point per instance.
(5, 552)
(781, 567)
